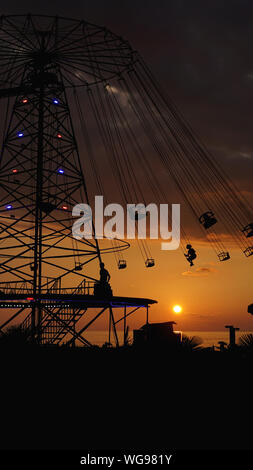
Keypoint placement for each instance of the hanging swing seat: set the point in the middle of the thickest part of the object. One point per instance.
(207, 219)
(140, 215)
(122, 264)
(248, 230)
(249, 251)
(78, 267)
(137, 214)
(224, 256)
(149, 262)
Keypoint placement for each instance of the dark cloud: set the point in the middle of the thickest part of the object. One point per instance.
(201, 53)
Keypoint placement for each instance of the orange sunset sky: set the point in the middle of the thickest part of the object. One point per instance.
(212, 294)
(202, 57)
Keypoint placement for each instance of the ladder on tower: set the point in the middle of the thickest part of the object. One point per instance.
(54, 330)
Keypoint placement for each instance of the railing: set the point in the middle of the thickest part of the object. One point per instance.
(27, 322)
(85, 288)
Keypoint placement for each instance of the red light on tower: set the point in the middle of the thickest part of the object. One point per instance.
(14, 171)
(65, 208)
(59, 136)
(24, 100)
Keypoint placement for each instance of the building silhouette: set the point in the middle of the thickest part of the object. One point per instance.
(156, 334)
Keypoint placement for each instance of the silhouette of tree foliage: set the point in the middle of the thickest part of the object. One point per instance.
(246, 342)
(15, 337)
(191, 343)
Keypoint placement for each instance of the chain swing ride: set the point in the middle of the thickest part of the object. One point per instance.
(83, 115)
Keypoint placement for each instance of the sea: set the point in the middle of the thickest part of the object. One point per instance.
(209, 338)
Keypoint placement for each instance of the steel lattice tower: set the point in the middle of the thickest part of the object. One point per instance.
(42, 179)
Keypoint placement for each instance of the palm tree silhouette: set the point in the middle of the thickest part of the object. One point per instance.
(15, 337)
(191, 343)
(246, 342)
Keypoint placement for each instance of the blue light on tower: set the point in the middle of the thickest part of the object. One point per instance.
(55, 101)
(20, 134)
(60, 171)
(8, 207)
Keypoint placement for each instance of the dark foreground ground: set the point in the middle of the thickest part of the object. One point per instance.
(77, 399)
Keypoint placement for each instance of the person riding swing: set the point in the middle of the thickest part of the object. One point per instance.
(191, 254)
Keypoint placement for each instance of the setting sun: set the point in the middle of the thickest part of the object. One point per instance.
(177, 309)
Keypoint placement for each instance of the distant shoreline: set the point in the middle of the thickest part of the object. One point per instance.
(210, 338)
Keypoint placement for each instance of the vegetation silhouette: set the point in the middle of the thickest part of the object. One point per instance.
(187, 384)
(246, 343)
(191, 343)
(16, 337)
